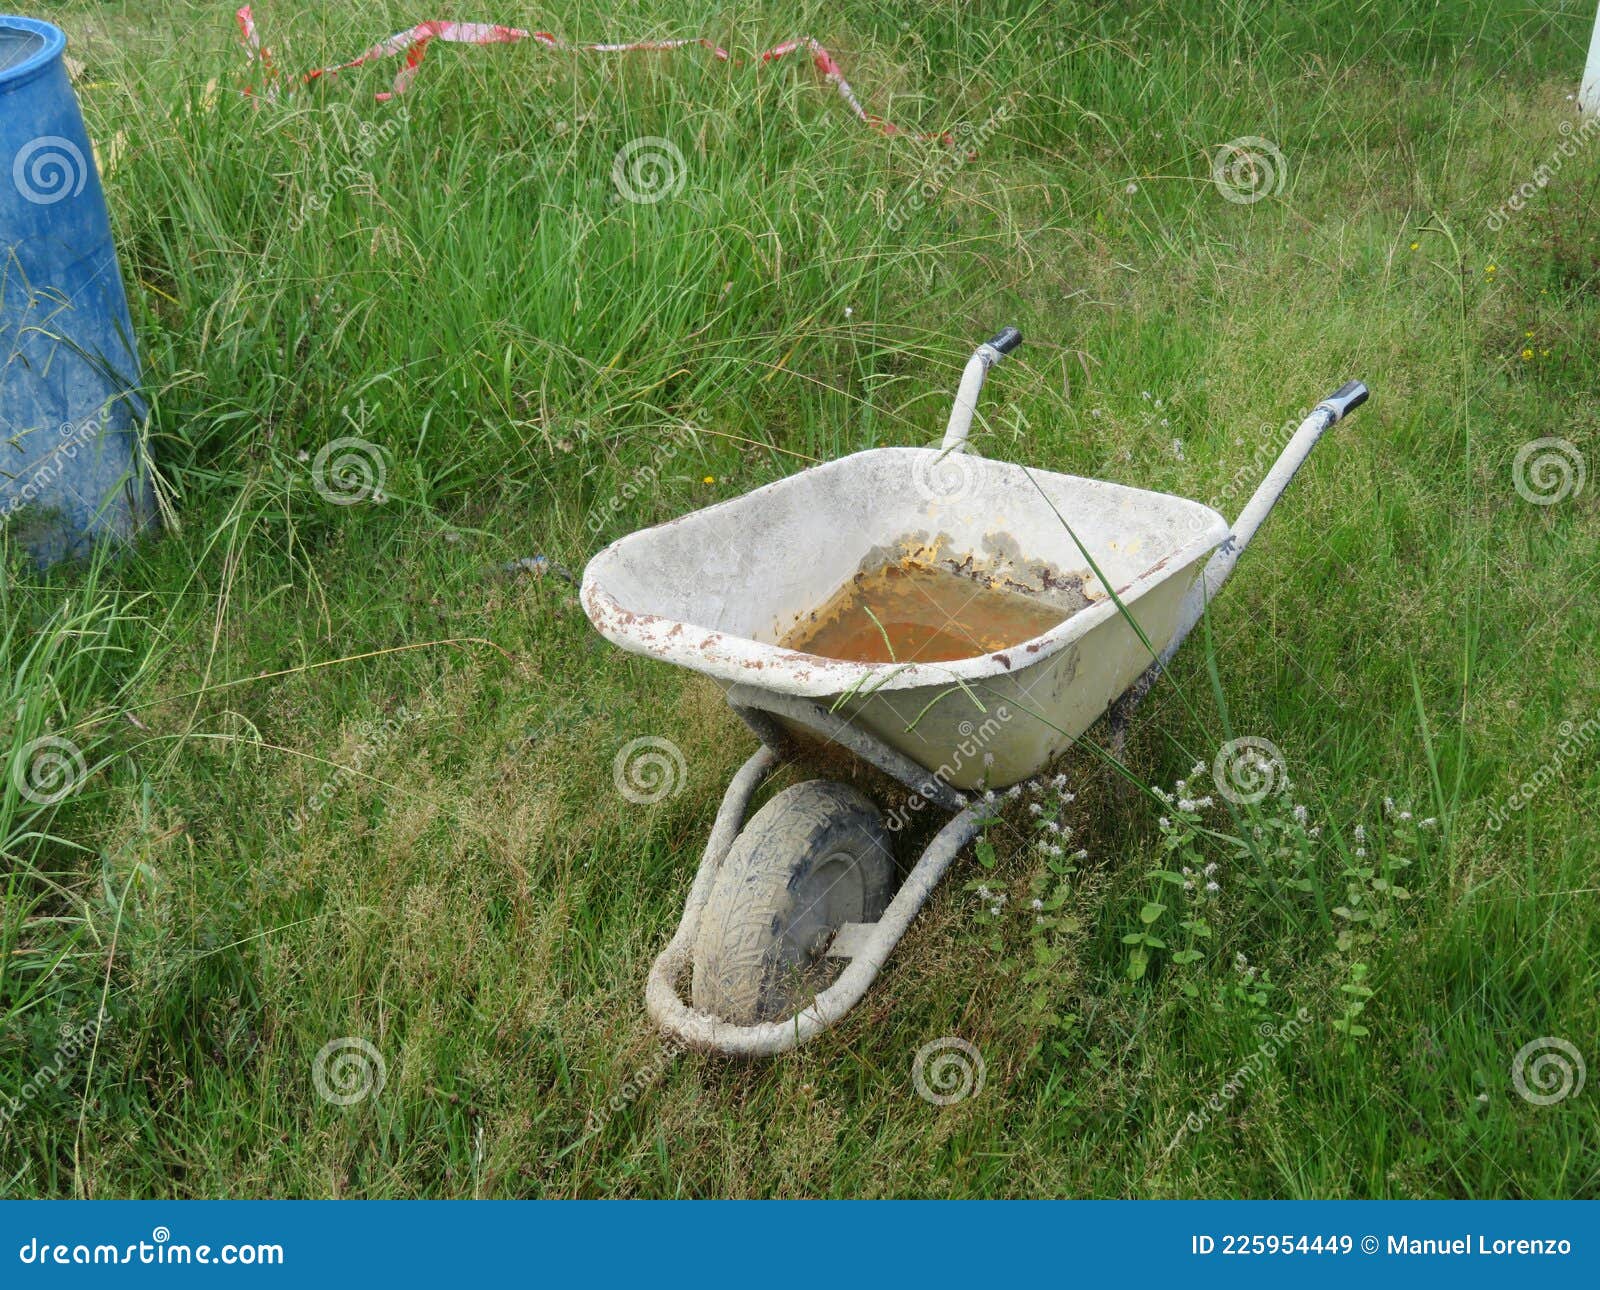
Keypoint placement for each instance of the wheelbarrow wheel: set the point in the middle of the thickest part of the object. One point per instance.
(815, 857)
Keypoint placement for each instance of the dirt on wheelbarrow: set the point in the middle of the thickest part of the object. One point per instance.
(912, 612)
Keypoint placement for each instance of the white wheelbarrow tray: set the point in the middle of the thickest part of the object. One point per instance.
(717, 589)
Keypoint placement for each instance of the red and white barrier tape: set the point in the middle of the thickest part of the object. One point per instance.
(414, 43)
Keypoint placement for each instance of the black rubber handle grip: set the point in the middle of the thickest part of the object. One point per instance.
(1006, 341)
(1346, 399)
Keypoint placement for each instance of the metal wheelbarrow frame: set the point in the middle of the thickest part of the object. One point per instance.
(779, 700)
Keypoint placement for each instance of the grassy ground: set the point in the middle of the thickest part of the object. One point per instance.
(347, 780)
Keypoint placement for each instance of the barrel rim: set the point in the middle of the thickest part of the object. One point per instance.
(55, 44)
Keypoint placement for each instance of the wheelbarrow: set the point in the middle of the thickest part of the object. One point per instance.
(1121, 573)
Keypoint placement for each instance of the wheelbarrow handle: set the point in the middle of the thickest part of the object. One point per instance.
(1345, 400)
(983, 358)
(1347, 397)
(1006, 340)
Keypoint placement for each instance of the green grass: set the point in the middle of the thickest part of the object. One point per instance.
(473, 897)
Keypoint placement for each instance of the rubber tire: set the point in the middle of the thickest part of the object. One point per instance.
(749, 959)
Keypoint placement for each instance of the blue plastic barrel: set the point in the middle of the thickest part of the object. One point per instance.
(71, 467)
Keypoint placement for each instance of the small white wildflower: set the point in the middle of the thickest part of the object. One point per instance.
(302, 455)
(988, 797)
(1427, 823)
(1055, 851)
(1094, 412)
(1035, 809)
(1189, 886)
(1361, 852)
(1052, 827)
(1079, 855)
(1210, 869)
(1187, 872)
(1197, 769)
(1181, 785)
(1058, 783)
(1404, 816)
(1212, 887)
(848, 311)
(1036, 903)
(983, 891)
(1014, 792)
(1164, 823)
(1388, 806)
(1177, 448)
(1300, 814)
(1131, 189)
(995, 910)
(1361, 834)
(988, 759)
(1038, 920)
